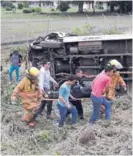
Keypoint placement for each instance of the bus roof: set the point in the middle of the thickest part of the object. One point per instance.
(97, 38)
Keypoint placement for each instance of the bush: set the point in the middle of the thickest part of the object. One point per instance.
(7, 4)
(20, 6)
(84, 30)
(37, 9)
(63, 6)
(27, 10)
(112, 30)
(52, 9)
(33, 9)
(9, 9)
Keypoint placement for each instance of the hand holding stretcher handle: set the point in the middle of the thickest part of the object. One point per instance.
(50, 99)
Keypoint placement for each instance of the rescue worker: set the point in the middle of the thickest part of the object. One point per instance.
(116, 80)
(30, 94)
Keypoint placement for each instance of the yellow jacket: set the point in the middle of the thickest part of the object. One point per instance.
(29, 93)
(116, 80)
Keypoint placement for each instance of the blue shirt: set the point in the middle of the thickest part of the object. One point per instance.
(64, 91)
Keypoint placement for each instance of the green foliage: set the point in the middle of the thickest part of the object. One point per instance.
(112, 30)
(9, 9)
(27, 10)
(52, 9)
(33, 9)
(37, 9)
(84, 30)
(63, 6)
(6, 4)
(22, 50)
(20, 6)
(45, 136)
(30, 10)
(124, 6)
(26, 4)
(6, 97)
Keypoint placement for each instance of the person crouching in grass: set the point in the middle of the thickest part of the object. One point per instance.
(64, 104)
(30, 94)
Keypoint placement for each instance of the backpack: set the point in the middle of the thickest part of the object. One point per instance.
(15, 59)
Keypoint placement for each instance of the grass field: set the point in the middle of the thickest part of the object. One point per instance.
(19, 13)
(103, 138)
(15, 29)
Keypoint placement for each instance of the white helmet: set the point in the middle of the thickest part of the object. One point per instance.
(116, 63)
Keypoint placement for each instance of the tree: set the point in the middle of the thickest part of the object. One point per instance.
(80, 6)
(81, 3)
(93, 7)
(8, 4)
(20, 6)
(63, 6)
(124, 6)
(26, 4)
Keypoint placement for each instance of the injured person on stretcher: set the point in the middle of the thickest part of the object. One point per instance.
(78, 90)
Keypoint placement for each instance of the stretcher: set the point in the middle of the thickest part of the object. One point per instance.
(51, 99)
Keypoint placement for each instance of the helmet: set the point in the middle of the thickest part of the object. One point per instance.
(116, 63)
(33, 71)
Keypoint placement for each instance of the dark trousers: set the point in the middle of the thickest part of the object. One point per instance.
(49, 107)
(41, 108)
(78, 106)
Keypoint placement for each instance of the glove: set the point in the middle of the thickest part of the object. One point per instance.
(125, 88)
(46, 96)
(13, 102)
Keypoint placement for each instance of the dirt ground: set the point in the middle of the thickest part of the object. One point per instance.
(103, 138)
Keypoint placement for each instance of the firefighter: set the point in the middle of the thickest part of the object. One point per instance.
(30, 94)
(116, 80)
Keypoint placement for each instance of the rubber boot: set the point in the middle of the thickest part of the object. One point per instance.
(32, 124)
(27, 117)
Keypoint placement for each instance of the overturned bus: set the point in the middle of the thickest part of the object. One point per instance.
(67, 52)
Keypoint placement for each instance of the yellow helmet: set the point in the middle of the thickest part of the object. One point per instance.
(116, 63)
(33, 71)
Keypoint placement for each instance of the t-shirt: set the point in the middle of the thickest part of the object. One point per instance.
(15, 59)
(64, 91)
(99, 83)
